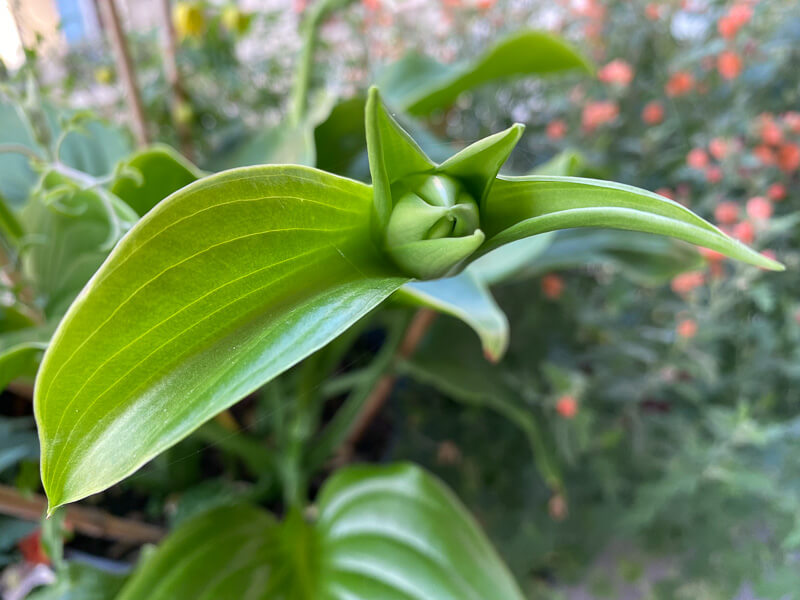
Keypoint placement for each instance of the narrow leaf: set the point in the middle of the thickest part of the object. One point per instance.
(467, 298)
(220, 288)
(10, 228)
(419, 85)
(519, 207)
(19, 361)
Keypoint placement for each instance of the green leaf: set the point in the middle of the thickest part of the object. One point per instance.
(20, 361)
(467, 298)
(505, 262)
(518, 207)
(10, 227)
(389, 532)
(158, 171)
(220, 288)
(79, 581)
(393, 155)
(69, 232)
(419, 84)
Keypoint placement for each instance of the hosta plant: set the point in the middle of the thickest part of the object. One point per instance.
(238, 276)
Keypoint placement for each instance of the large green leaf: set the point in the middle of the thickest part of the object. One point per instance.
(157, 172)
(19, 361)
(383, 532)
(468, 298)
(518, 207)
(419, 84)
(229, 282)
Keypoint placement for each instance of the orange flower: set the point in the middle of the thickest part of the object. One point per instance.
(712, 256)
(726, 213)
(718, 148)
(741, 14)
(789, 157)
(652, 11)
(653, 113)
(687, 328)
(727, 27)
(744, 232)
(567, 406)
(729, 65)
(686, 282)
(556, 129)
(697, 158)
(485, 4)
(598, 113)
(31, 548)
(759, 208)
(771, 133)
(666, 192)
(713, 174)
(792, 121)
(552, 286)
(777, 192)
(617, 72)
(679, 84)
(764, 154)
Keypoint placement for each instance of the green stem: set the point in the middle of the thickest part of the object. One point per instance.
(302, 81)
(256, 457)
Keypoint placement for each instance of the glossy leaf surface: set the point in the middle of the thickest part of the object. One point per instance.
(519, 207)
(231, 281)
(419, 84)
(467, 298)
(389, 532)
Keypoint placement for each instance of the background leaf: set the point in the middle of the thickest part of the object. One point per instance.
(390, 532)
(419, 84)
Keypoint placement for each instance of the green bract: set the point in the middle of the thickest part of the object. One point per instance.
(238, 276)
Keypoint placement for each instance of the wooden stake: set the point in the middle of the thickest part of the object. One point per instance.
(125, 69)
(179, 95)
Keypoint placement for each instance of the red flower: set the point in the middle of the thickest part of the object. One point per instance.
(552, 286)
(653, 113)
(712, 256)
(777, 192)
(556, 129)
(789, 157)
(727, 28)
(741, 14)
(697, 158)
(729, 65)
(567, 406)
(744, 232)
(485, 4)
(666, 192)
(652, 11)
(598, 113)
(686, 282)
(617, 72)
(726, 213)
(687, 328)
(679, 84)
(759, 208)
(31, 548)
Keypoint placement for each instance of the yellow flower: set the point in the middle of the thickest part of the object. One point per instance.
(103, 75)
(235, 20)
(188, 19)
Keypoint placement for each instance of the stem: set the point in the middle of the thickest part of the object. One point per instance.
(366, 400)
(179, 95)
(88, 521)
(126, 71)
(20, 149)
(302, 81)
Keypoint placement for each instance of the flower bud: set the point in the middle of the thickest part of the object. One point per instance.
(434, 225)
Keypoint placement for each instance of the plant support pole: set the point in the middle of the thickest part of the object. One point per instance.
(125, 68)
(179, 96)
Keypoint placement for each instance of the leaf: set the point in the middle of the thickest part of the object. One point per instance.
(518, 207)
(18, 361)
(506, 261)
(467, 298)
(161, 171)
(220, 288)
(419, 84)
(10, 227)
(450, 362)
(81, 581)
(389, 532)
(68, 235)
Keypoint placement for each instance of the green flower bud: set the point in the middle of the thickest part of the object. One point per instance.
(434, 226)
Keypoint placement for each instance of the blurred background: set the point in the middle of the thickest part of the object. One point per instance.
(664, 383)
